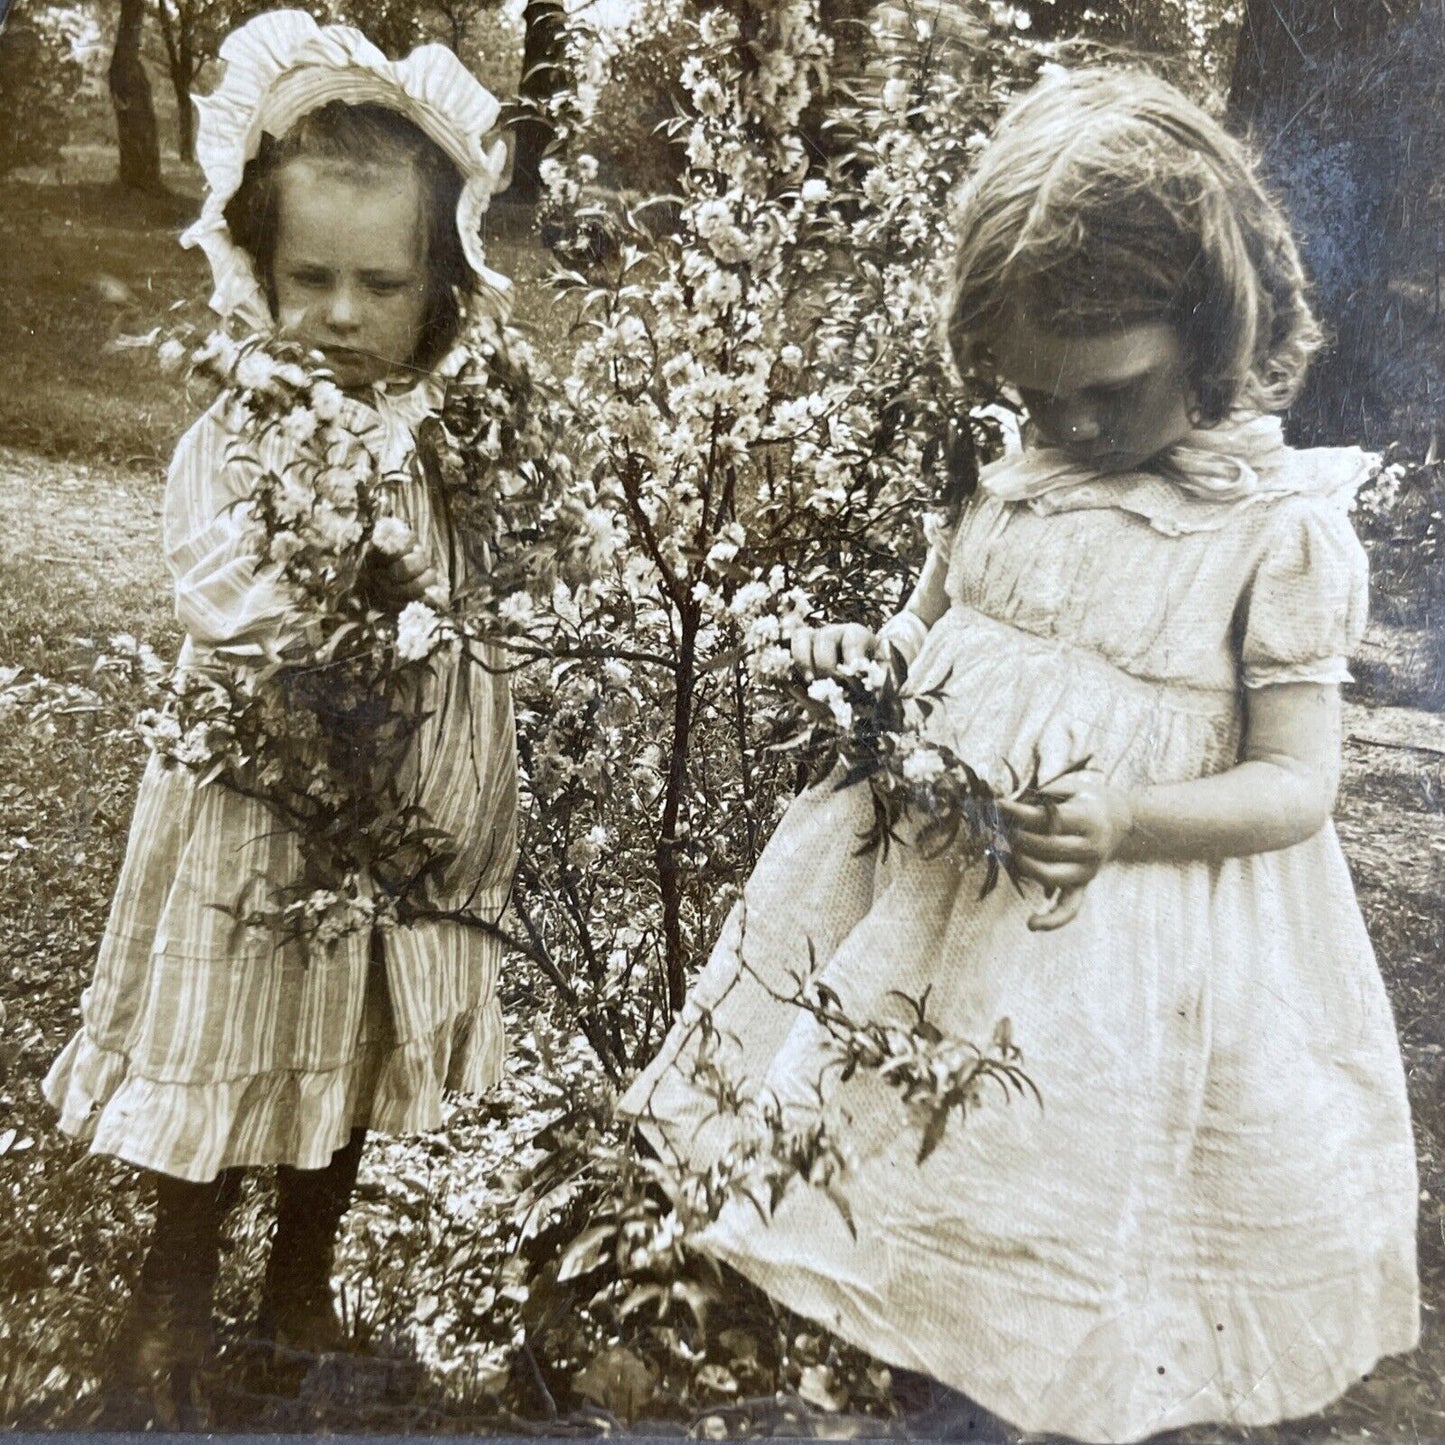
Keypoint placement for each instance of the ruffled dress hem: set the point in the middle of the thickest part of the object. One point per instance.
(298, 1117)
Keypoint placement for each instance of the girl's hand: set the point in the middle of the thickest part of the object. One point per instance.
(1063, 843)
(394, 581)
(821, 651)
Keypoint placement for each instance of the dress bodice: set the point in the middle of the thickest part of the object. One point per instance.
(1125, 625)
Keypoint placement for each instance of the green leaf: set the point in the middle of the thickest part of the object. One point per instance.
(618, 1380)
(932, 1132)
(587, 1252)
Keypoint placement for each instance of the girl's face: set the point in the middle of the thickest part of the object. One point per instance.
(1111, 401)
(349, 272)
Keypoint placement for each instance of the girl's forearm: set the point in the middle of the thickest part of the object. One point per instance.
(929, 599)
(928, 602)
(1257, 807)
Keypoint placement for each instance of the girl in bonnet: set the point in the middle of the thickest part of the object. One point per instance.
(345, 195)
(1211, 1217)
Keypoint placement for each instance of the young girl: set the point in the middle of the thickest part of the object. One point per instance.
(344, 205)
(1211, 1216)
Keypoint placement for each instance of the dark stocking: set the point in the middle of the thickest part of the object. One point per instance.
(299, 1311)
(166, 1336)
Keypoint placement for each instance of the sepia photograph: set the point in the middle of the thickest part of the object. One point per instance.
(723, 719)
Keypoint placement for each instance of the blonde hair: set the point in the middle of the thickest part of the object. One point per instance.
(1107, 198)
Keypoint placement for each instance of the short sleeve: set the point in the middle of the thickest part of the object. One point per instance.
(1309, 597)
(221, 595)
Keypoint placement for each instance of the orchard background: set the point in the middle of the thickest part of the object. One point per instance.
(724, 228)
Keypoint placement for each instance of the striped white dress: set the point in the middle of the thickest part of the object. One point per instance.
(199, 1048)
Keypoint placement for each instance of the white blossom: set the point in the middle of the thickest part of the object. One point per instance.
(774, 662)
(825, 690)
(895, 94)
(870, 671)
(718, 28)
(708, 96)
(392, 537)
(749, 597)
(327, 400)
(922, 765)
(418, 632)
(170, 354)
(255, 371)
(299, 425)
(218, 349)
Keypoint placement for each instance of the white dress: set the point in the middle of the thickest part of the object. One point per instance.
(1211, 1217)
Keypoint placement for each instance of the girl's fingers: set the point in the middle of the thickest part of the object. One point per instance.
(1053, 847)
(1064, 908)
(856, 644)
(1055, 875)
(411, 565)
(1026, 817)
(419, 586)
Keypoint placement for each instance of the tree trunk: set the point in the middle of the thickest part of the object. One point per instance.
(1288, 50)
(543, 75)
(130, 94)
(1306, 85)
(669, 846)
(181, 65)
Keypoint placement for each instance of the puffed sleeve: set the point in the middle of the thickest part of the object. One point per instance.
(221, 595)
(1309, 597)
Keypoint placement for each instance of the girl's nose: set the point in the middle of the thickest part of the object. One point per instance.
(1078, 425)
(341, 312)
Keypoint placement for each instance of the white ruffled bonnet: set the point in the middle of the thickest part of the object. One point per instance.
(280, 66)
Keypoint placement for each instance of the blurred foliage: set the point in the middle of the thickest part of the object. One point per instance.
(1345, 104)
(40, 78)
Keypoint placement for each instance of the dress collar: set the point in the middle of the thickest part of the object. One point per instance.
(1196, 486)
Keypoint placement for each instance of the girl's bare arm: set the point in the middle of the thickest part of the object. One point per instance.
(1281, 792)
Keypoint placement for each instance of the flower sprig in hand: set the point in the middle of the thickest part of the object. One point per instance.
(858, 721)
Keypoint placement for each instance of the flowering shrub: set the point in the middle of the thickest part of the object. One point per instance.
(1399, 514)
(761, 420)
(754, 427)
(761, 408)
(865, 726)
(620, 1311)
(40, 81)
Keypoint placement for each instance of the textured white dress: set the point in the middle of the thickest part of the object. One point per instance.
(1212, 1215)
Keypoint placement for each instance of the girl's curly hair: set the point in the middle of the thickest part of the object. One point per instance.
(1107, 198)
(360, 140)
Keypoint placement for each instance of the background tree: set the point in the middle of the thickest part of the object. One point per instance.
(544, 76)
(1343, 101)
(458, 18)
(1191, 40)
(393, 26)
(192, 31)
(137, 139)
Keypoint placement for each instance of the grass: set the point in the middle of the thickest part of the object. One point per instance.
(88, 431)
